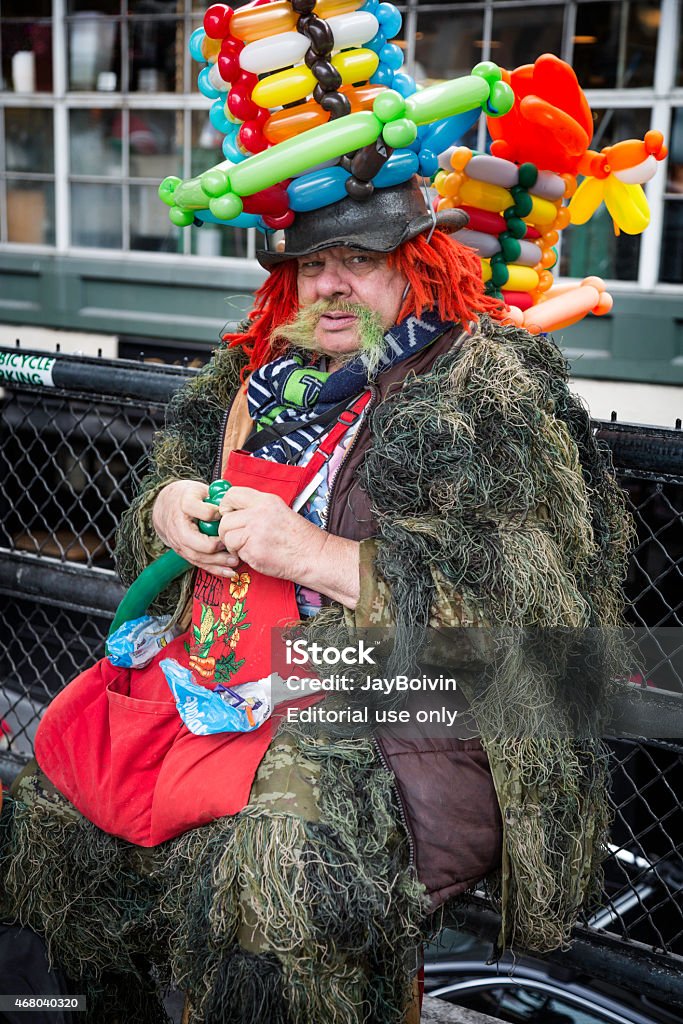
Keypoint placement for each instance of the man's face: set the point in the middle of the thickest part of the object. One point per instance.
(347, 275)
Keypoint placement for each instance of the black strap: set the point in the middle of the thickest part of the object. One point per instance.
(278, 431)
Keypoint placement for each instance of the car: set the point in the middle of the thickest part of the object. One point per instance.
(523, 990)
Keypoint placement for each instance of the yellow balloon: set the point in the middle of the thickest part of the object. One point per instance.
(296, 83)
(485, 270)
(211, 48)
(627, 206)
(521, 279)
(485, 196)
(543, 212)
(586, 200)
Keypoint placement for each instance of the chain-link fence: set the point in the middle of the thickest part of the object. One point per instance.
(70, 455)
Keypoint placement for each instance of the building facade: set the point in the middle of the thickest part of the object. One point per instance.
(99, 102)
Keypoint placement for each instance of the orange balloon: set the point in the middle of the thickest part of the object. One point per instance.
(550, 238)
(285, 124)
(545, 280)
(451, 186)
(570, 185)
(460, 158)
(562, 219)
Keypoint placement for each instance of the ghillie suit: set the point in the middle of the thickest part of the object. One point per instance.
(491, 505)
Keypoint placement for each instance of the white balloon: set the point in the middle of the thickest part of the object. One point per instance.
(549, 186)
(288, 48)
(353, 29)
(493, 169)
(216, 81)
(486, 245)
(639, 174)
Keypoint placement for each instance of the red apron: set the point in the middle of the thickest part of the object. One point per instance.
(113, 742)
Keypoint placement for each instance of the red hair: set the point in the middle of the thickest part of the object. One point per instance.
(443, 275)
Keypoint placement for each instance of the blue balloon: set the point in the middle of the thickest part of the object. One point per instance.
(404, 84)
(382, 76)
(429, 163)
(231, 150)
(391, 56)
(400, 167)
(370, 5)
(319, 188)
(218, 119)
(390, 19)
(205, 86)
(377, 42)
(443, 134)
(244, 220)
(194, 45)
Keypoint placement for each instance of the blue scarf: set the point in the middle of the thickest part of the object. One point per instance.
(287, 390)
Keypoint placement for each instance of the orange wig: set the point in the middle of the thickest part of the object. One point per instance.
(443, 275)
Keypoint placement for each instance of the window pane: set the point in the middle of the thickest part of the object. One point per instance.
(155, 143)
(150, 227)
(28, 140)
(593, 248)
(213, 240)
(95, 142)
(26, 8)
(96, 215)
(671, 261)
(158, 6)
(615, 43)
(94, 6)
(26, 55)
(519, 35)
(94, 54)
(447, 45)
(156, 52)
(206, 143)
(31, 212)
(674, 178)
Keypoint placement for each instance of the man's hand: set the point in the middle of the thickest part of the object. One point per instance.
(273, 539)
(174, 515)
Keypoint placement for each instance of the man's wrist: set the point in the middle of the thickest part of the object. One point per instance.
(333, 568)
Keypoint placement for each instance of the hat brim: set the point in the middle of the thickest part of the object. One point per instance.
(385, 238)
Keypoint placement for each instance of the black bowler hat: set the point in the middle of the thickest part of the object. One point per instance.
(389, 217)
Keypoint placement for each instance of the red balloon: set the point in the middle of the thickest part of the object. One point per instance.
(271, 202)
(240, 105)
(247, 81)
(231, 46)
(217, 21)
(279, 223)
(228, 67)
(252, 138)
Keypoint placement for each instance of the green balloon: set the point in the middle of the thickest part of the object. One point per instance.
(181, 218)
(218, 490)
(389, 106)
(499, 274)
(400, 133)
(300, 153)
(524, 204)
(501, 99)
(510, 248)
(189, 195)
(226, 207)
(215, 182)
(487, 70)
(149, 584)
(166, 191)
(515, 225)
(528, 175)
(447, 99)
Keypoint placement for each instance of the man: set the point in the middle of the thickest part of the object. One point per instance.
(463, 489)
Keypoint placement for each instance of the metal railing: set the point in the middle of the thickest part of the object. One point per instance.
(71, 451)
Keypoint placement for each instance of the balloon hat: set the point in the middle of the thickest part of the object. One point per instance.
(315, 109)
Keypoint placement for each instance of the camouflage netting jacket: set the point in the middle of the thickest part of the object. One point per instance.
(480, 498)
